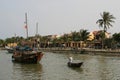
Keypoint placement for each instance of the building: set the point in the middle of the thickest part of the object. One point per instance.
(96, 35)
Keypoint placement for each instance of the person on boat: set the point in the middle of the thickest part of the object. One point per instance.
(70, 59)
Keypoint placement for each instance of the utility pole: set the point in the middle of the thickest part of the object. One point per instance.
(26, 25)
(37, 29)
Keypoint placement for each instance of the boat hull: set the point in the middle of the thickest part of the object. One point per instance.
(70, 64)
(27, 57)
(10, 50)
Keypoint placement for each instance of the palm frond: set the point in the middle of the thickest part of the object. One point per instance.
(106, 20)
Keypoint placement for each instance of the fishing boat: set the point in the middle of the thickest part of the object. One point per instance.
(71, 64)
(28, 51)
(27, 56)
(74, 64)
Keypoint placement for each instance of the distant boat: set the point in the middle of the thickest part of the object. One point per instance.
(9, 49)
(74, 64)
(70, 64)
(27, 56)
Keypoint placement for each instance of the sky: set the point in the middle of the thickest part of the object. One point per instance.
(55, 17)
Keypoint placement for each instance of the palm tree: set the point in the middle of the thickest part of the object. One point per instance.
(84, 34)
(65, 38)
(105, 22)
(75, 36)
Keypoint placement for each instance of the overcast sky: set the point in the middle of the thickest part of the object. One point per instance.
(55, 16)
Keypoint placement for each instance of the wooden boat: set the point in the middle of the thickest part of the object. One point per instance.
(71, 64)
(27, 56)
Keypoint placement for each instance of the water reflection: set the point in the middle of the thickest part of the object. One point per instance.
(79, 70)
(53, 66)
(27, 71)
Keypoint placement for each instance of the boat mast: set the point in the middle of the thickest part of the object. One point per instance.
(26, 25)
(37, 36)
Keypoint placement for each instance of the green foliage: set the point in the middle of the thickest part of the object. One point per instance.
(108, 42)
(1, 41)
(84, 35)
(75, 36)
(66, 38)
(105, 21)
(116, 37)
(13, 39)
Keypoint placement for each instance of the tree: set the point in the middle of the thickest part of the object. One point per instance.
(65, 38)
(1, 42)
(109, 42)
(105, 22)
(84, 34)
(116, 37)
(75, 36)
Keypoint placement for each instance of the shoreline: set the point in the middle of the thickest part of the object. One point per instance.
(90, 51)
(104, 52)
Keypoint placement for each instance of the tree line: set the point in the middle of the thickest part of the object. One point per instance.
(104, 22)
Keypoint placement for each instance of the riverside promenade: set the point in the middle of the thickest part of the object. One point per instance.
(91, 51)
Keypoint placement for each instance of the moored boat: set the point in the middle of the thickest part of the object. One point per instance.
(26, 55)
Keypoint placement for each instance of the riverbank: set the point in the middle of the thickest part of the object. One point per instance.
(2, 48)
(91, 51)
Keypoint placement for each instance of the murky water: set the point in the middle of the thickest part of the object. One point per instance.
(53, 66)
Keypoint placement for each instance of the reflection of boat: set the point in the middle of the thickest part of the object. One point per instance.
(27, 71)
(71, 64)
(27, 56)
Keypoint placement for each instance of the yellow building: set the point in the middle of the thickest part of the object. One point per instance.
(12, 44)
(94, 33)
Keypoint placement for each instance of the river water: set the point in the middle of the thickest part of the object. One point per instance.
(53, 66)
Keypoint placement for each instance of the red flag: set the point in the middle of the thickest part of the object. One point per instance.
(25, 26)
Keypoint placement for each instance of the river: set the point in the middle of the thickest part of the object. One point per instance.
(53, 66)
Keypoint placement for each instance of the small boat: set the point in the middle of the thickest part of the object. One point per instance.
(71, 64)
(27, 56)
(9, 49)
